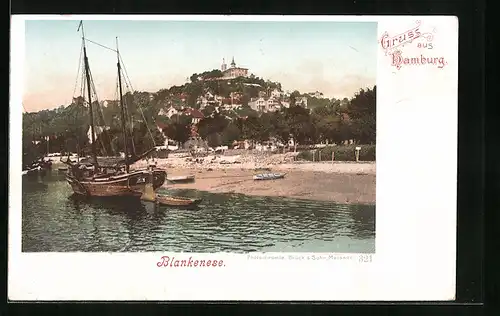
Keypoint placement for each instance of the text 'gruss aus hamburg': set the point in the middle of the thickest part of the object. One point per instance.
(393, 45)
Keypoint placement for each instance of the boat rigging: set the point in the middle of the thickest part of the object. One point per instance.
(109, 179)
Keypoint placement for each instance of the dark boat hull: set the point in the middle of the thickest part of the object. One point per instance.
(176, 201)
(159, 177)
(131, 184)
(179, 180)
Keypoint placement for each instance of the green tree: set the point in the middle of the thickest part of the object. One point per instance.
(193, 90)
(313, 102)
(231, 133)
(281, 129)
(179, 129)
(327, 121)
(211, 125)
(264, 127)
(214, 140)
(246, 111)
(212, 74)
(208, 110)
(293, 97)
(300, 124)
(362, 111)
(161, 95)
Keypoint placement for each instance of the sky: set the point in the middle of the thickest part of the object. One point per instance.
(336, 58)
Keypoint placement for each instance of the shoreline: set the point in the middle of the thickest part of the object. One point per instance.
(345, 183)
(337, 182)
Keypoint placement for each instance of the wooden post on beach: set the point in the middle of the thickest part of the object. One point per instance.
(333, 156)
(314, 154)
(319, 153)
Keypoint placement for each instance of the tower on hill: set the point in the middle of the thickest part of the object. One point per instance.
(233, 71)
(223, 67)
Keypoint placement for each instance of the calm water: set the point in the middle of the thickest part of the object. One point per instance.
(55, 220)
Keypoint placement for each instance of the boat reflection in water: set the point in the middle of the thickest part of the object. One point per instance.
(56, 220)
(113, 223)
(125, 205)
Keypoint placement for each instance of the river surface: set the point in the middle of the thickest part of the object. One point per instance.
(54, 220)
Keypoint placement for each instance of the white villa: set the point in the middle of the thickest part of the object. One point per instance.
(171, 111)
(316, 94)
(302, 101)
(264, 105)
(276, 93)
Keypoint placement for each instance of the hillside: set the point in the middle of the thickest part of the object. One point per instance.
(244, 107)
(212, 83)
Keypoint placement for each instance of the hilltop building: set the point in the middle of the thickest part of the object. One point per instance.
(233, 71)
(316, 94)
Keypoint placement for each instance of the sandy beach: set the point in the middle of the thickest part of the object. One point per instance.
(311, 185)
(340, 182)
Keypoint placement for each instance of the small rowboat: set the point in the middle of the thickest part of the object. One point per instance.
(269, 176)
(62, 168)
(176, 200)
(32, 170)
(181, 179)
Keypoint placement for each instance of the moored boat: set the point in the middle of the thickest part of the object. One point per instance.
(110, 176)
(39, 164)
(180, 179)
(32, 170)
(269, 176)
(126, 184)
(176, 201)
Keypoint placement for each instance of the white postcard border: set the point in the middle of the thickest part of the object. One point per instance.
(415, 203)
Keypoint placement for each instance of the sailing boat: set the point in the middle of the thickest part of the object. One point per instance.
(110, 177)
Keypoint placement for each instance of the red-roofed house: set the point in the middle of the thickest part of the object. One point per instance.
(195, 114)
(160, 126)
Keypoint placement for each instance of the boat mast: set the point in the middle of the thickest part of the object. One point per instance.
(91, 113)
(124, 123)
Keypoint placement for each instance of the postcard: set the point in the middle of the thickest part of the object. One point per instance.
(268, 158)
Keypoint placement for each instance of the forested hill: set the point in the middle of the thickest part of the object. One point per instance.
(56, 121)
(188, 94)
(67, 126)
